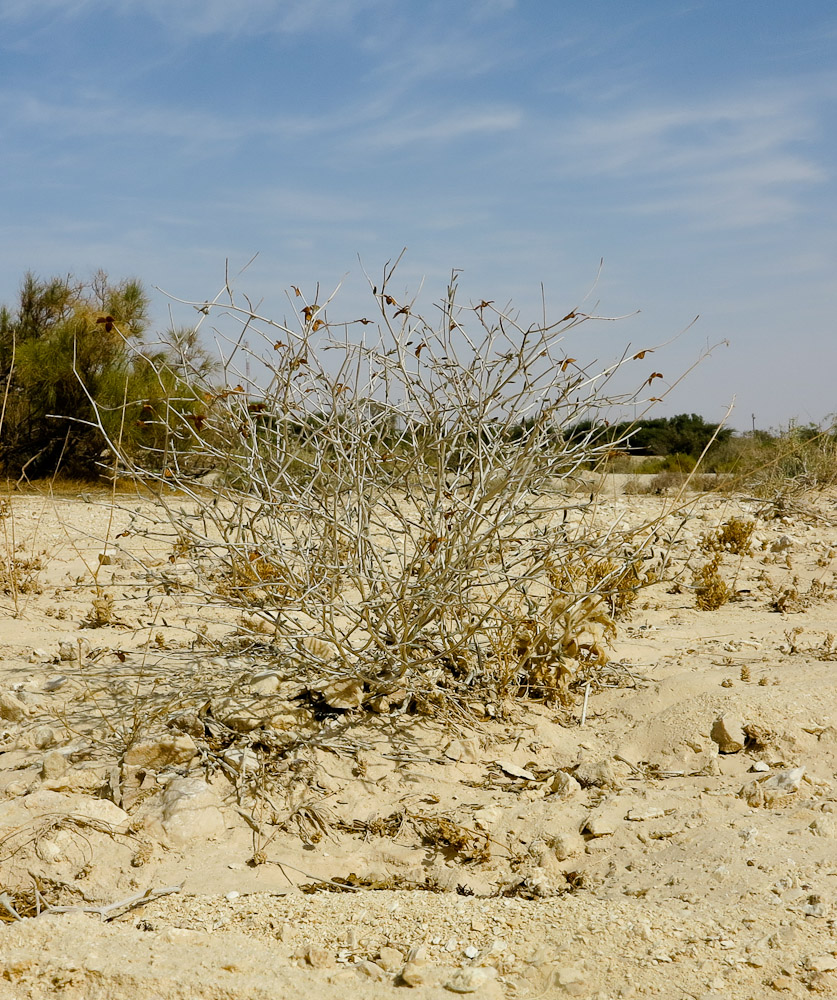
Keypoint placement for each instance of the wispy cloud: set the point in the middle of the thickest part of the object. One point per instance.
(735, 162)
(206, 17)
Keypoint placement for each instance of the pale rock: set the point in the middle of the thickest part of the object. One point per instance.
(465, 750)
(598, 773)
(75, 780)
(825, 826)
(371, 970)
(603, 821)
(390, 959)
(152, 755)
(566, 845)
(244, 717)
(344, 693)
(43, 737)
(514, 771)
(479, 979)
(188, 809)
(760, 767)
(12, 708)
(264, 684)
(488, 817)
(821, 963)
(415, 975)
(728, 733)
(641, 813)
(563, 785)
(768, 791)
(46, 801)
(54, 764)
(571, 981)
(318, 957)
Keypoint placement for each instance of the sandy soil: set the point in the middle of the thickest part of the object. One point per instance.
(526, 857)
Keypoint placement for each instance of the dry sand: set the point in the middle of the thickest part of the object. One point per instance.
(524, 857)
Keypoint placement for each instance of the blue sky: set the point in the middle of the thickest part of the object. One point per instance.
(690, 144)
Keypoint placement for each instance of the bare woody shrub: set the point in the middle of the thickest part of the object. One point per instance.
(399, 502)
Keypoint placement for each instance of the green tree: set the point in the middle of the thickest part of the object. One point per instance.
(68, 342)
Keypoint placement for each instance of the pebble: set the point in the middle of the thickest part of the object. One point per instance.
(54, 765)
(472, 980)
(563, 785)
(465, 750)
(390, 959)
(43, 737)
(264, 684)
(12, 708)
(415, 975)
(824, 826)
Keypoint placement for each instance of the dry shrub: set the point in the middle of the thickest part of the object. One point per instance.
(406, 491)
(734, 536)
(711, 592)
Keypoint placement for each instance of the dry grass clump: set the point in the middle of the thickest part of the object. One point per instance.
(406, 491)
(711, 592)
(734, 536)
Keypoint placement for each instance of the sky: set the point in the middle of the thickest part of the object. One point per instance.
(690, 145)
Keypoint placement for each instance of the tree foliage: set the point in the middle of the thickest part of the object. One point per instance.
(66, 344)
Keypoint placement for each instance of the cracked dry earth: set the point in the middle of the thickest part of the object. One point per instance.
(397, 855)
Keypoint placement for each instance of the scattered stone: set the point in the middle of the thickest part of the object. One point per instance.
(415, 975)
(825, 826)
(264, 684)
(603, 821)
(156, 754)
(598, 774)
(478, 979)
(566, 845)
(771, 791)
(514, 771)
(11, 708)
(54, 765)
(465, 750)
(760, 767)
(43, 737)
(187, 810)
(728, 733)
(371, 970)
(390, 959)
(344, 693)
(318, 957)
(571, 980)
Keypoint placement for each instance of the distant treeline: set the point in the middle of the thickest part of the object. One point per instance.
(686, 434)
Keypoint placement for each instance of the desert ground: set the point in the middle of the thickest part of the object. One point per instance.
(181, 818)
